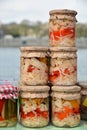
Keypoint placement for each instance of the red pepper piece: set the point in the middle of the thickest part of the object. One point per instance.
(66, 71)
(24, 116)
(30, 114)
(67, 31)
(2, 101)
(1, 118)
(30, 68)
(55, 75)
(61, 33)
(45, 114)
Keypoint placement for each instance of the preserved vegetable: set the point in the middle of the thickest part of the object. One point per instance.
(8, 104)
(34, 66)
(83, 100)
(34, 106)
(8, 112)
(63, 67)
(34, 112)
(65, 106)
(62, 25)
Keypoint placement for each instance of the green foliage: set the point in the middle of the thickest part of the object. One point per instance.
(81, 30)
(38, 29)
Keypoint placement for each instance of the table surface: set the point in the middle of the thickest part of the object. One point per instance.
(82, 126)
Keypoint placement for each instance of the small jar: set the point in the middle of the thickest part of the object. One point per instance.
(83, 100)
(34, 106)
(8, 105)
(63, 66)
(62, 28)
(34, 65)
(65, 106)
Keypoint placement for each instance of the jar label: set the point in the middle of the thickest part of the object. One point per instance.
(85, 102)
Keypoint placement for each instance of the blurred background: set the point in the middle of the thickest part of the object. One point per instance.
(25, 23)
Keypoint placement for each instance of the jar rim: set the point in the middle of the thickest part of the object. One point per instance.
(67, 89)
(69, 96)
(63, 11)
(34, 95)
(63, 49)
(33, 88)
(33, 48)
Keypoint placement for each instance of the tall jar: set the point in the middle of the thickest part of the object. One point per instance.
(62, 28)
(63, 66)
(83, 100)
(65, 106)
(34, 65)
(8, 105)
(34, 106)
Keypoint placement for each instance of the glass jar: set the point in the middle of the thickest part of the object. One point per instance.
(34, 106)
(65, 106)
(8, 105)
(34, 65)
(63, 66)
(83, 100)
(62, 28)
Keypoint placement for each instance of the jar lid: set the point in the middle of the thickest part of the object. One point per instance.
(66, 89)
(63, 49)
(8, 91)
(8, 88)
(83, 84)
(34, 48)
(9, 95)
(34, 88)
(63, 11)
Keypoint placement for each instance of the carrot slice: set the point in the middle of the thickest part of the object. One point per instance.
(44, 114)
(67, 110)
(30, 114)
(63, 114)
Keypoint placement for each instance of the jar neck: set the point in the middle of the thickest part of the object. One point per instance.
(66, 96)
(34, 95)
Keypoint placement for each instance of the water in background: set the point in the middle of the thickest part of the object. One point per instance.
(10, 64)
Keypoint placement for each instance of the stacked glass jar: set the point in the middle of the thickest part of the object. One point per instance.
(56, 65)
(83, 104)
(63, 68)
(34, 92)
(8, 104)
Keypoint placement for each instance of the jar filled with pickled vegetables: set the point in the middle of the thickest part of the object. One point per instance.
(34, 106)
(8, 105)
(83, 100)
(65, 106)
(34, 65)
(63, 66)
(62, 28)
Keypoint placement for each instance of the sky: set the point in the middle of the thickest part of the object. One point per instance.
(38, 10)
